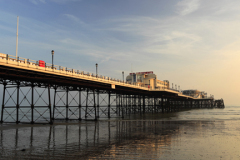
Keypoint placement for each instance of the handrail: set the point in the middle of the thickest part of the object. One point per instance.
(61, 69)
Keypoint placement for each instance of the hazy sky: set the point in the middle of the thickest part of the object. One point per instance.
(191, 43)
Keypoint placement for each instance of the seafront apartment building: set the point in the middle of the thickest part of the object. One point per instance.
(147, 79)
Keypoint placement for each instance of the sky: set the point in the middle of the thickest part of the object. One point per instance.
(192, 43)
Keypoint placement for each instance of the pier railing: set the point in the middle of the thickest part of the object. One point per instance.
(56, 69)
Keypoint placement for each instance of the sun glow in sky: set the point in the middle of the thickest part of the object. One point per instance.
(191, 43)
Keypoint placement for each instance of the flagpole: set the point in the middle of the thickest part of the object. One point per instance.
(17, 38)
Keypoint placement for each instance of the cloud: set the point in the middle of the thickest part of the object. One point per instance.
(163, 36)
(74, 19)
(186, 7)
(37, 1)
(65, 1)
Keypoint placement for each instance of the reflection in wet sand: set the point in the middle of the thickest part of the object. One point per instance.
(81, 140)
(123, 139)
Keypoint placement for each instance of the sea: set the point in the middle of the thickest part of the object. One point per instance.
(191, 134)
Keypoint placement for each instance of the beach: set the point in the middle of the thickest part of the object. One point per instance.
(190, 134)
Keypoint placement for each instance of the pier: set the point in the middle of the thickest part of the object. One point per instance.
(28, 86)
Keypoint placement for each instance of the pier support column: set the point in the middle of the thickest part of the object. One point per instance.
(118, 101)
(3, 100)
(86, 108)
(67, 105)
(49, 105)
(54, 101)
(79, 105)
(144, 104)
(94, 105)
(97, 103)
(168, 105)
(122, 106)
(109, 103)
(32, 103)
(17, 106)
(162, 105)
(155, 104)
(140, 104)
(126, 103)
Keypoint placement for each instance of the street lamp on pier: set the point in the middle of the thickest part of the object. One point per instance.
(123, 75)
(96, 70)
(52, 57)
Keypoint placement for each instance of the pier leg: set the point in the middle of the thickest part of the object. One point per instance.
(32, 103)
(18, 88)
(140, 104)
(109, 103)
(126, 102)
(155, 105)
(67, 106)
(3, 100)
(86, 110)
(97, 103)
(49, 106)
(54, 101)
(95, 106)
(80, 105)
(168, 105)
(152, 104)
(134, 104)
(129, 104)
(118, 105)
(122, 106)
(144, 104)
(162, 105)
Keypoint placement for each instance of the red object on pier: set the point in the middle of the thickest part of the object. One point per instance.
(41, 63)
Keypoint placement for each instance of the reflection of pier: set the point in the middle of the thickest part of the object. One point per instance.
(28, 90)
(79, 140)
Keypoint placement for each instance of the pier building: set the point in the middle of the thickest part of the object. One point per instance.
(195, 93)
(147, 79)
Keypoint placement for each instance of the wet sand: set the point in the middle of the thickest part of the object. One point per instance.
(195, 134)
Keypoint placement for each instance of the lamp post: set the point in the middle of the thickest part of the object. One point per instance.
(96, 70)
(123, 75)
(52, 58)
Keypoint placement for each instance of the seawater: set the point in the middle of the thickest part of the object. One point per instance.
(190, 134)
